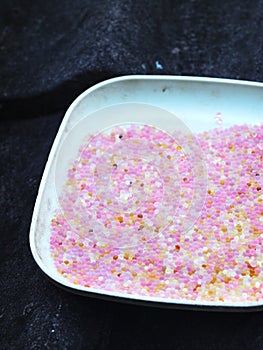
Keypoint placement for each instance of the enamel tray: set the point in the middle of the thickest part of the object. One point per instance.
(201, 104)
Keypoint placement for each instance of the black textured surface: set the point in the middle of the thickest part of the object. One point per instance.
(49, 53)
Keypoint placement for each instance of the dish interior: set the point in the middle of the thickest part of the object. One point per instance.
(159, 202)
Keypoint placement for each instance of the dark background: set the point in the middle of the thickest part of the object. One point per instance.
(51, 51)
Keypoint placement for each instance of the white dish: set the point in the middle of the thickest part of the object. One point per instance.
(201, 103)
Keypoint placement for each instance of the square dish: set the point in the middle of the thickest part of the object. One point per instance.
(211, 128)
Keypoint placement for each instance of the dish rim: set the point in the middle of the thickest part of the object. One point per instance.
(115, 295)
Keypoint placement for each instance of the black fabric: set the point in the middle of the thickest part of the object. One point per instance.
(49, 53)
